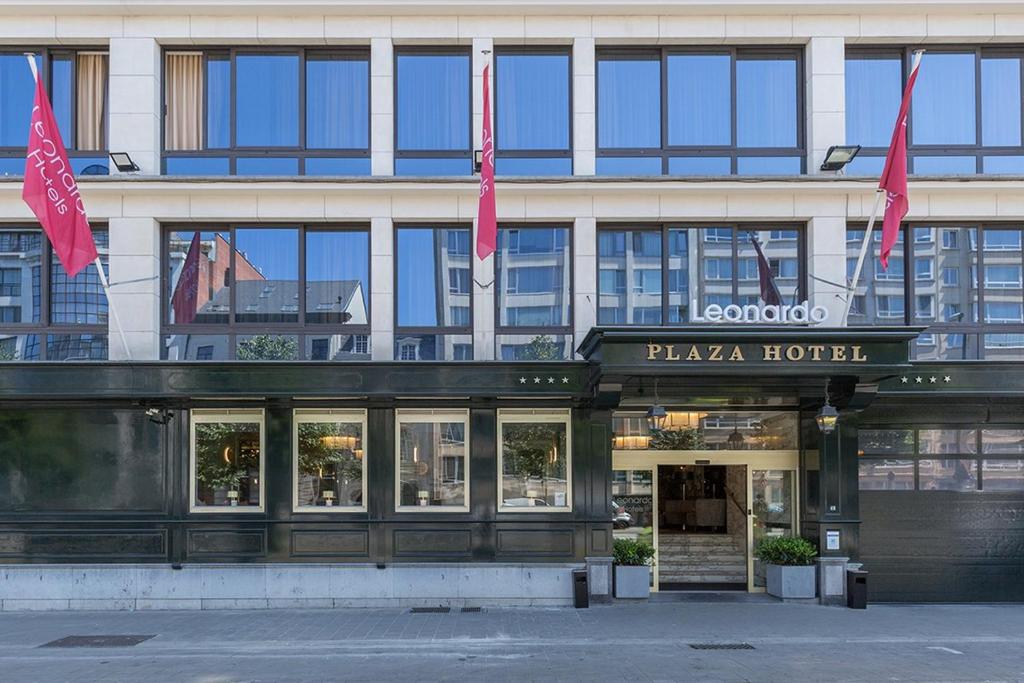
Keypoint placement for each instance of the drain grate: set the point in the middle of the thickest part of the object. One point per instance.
(97, 641)
(721, 646)
(468, 610)
(430, 610)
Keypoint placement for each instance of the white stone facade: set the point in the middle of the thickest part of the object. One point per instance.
(135, 207)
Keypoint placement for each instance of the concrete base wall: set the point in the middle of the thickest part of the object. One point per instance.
(269, 586)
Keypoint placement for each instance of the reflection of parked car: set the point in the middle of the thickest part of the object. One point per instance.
(620, 518)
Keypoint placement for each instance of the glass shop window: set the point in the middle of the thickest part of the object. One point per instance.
(329, 461)
(432, 460)
(227, 461)
(535, 461)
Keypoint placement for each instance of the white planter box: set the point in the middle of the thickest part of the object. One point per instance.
(791, 582)
(632, 582)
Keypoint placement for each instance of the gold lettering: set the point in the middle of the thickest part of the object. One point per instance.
(716, 352)
(794, 353)
(736, 354)
(838, 354)
(694, 354)
(772, 351)
(653, 350)
(858, 357)
(815, 351)
(670, 352)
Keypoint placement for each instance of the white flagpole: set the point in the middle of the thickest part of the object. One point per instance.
(99, 266)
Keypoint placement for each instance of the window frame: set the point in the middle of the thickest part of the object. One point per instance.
(437, 51)
(431, 416)
(666, 228)
(226, 416)
(233, 329)
(732, 150)
(526, 51)
(978, 150)
(233, 152)
(535, 416)
(327, 416)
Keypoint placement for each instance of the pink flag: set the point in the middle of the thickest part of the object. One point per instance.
(186, 292)
(486, 216)
(769, 291)
(51, 191)
(894, 176)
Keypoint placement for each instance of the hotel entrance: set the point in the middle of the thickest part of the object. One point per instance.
(706, 491)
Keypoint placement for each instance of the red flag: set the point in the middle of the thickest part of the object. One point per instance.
(186, 292)
(51, 191)
(486, 215)
(894, 176)
(769, 291)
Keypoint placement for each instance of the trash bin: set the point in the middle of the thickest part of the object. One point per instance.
(580, 588)
(857, 589)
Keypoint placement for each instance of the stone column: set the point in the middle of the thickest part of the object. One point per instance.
(584, 255)
(483, 271)
(134, 101)
(135, 287)
(382, 119)
(584, 106)
(382, 289)
(826, 98)
(826, 251)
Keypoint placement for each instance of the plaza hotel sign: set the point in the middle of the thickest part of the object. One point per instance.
(758, 353)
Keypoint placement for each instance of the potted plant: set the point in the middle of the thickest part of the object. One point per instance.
(633, 561)
(789, 566)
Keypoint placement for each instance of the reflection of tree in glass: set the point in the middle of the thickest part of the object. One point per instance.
(225, 453)
(6, 353)
(534, 451)
(684, 439)
(317, 453)
(541, 347)
(265, 347)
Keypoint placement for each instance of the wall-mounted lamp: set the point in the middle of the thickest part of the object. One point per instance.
(839, 156)
(123, 162)
(478, 160)
(159, 415)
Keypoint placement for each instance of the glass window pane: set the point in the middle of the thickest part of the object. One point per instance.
(532, 101)
(197, 166)
(80, 300)
(337, 277)
(534, 464)
(19, 347)
(1002, 475)
(1007, 165)
(699, 99)
(632, 505)
(629, 277)
(714, 268)
(701, 165)
(874, 88)
(186, 347)
(532, 166)
(944, 165)
(330, 462)
(218, 102)
(227, 463)
(267, 347)
(62, 96)
(1002, 441)
(1004, 290)
(628, 102)
(337, 102)
(75, 347)
(1004, 346)
(433, 346)
(766, 102)
(337, 347)
(433, 101)
(885, 441)
(1000, 101)
(432, 462)
(943, 108)
(20, 268)
(532, 269)
(17, 91)
(947, 475)
(434, 277)
(441, 166)
(267, 105)
(769, 165)
(628, 166)
(267, 166)
(885, 475)
(879, 299)
(198, 270)
(534, 347)
(337, 166)
(266, 275)
(782, 250)
(684, 274)
(931, 346)
(945, 273)
(947, 441)
(864, 165)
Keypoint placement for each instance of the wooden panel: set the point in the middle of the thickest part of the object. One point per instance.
(599, 540)
(537, 542)
(427, 542)
(84, 544)
(310, 543)
(228, 542)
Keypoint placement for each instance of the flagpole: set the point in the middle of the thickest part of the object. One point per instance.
(30, 56)
(879, 194)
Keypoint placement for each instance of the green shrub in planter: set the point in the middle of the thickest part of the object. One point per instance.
(786, 551)
(628, 552)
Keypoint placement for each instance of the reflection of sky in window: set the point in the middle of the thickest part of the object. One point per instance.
(417, 296)
(218, 103)
(334, 256)
(873, 91)
(337, 94)
(766, 102)
(629, 103)
(1000, 101)
(943, 105)
(532, 101)
(16, 93)
(273, 252)
(433, 102)
(699, 100)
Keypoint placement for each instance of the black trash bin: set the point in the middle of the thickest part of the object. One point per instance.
(856, 588)
(580, 588)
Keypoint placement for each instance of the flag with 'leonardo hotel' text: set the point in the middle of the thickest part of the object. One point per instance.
(51, 190)
(894, 176)
(486, 217)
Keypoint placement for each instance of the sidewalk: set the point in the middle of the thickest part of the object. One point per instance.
(609, 643)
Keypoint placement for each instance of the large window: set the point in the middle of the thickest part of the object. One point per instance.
(964, 282)
(707, 111)
(433, 121)
(77, 84)
(249, 111)
(329, 472)
(532, 113)
(965, 115)
(655, 275)
(535, 460)
(693, 429)
(432, 460)
(434, 300)
(534, 313)
(226, 461)
(266, 293)
(44, 314)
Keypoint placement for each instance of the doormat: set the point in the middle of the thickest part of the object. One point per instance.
(722, 646)
(97, 641)
(430, 610)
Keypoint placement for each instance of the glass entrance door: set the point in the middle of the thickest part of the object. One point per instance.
(772, 513)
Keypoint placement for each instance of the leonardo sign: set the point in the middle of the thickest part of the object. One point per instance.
(800, 314)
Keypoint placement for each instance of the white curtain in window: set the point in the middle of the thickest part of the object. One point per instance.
(184, 75)
(92, 99)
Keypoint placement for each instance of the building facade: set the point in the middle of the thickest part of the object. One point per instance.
(317, 393)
